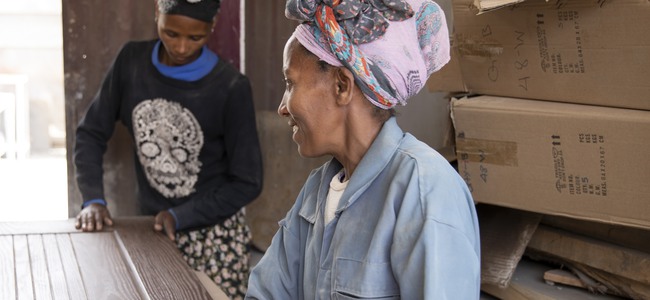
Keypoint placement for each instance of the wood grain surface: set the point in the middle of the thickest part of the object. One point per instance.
(52, 260)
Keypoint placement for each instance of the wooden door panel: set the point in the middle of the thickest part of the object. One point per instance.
(52, 260)
(55, 269)
(73, 281)
(38, 264)
(108, 277)
(23, 273)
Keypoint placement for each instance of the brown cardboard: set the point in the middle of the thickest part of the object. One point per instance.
(484, 6)
(505, 233)
(580, 51)
(449, 78)
(579, 161)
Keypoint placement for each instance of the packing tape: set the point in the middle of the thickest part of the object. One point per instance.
(501, 153)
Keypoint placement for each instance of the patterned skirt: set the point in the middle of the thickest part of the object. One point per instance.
(221, 252)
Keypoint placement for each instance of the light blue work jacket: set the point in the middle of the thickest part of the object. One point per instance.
(405, 228)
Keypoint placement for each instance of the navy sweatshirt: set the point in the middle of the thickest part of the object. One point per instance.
(196, 145)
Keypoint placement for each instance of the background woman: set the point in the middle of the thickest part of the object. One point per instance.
(197, 154)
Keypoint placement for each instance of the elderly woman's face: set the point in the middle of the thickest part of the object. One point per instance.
(308, 101)
(182, 37)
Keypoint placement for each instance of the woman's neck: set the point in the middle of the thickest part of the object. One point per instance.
(360, 133)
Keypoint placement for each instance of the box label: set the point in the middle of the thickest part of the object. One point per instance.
(575, 183)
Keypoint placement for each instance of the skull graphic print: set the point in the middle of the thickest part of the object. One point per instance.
(168, 142)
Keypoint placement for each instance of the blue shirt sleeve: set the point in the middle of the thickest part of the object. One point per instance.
(89, 202)
(277, 275)
(442, 264)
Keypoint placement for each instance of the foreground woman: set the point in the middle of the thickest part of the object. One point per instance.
(387, 217)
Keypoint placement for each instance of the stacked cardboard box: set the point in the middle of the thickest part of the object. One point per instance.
(581, 161)
(561, 123)
(579, 51)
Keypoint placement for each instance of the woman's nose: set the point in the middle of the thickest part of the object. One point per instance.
(181, 47)
(282, 108)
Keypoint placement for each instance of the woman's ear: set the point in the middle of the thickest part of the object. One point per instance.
(214, 22)
(344, 85)
(156, 11)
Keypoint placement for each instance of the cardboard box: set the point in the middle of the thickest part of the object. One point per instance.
(579, 51)
(484, 6)
(579, 161)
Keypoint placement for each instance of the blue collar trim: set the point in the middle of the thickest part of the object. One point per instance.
(189, 72)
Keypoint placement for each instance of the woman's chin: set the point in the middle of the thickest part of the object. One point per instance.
(305, 153)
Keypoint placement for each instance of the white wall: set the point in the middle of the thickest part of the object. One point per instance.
(31, 44)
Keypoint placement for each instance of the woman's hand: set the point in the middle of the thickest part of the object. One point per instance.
(165, 221)
(93, 217)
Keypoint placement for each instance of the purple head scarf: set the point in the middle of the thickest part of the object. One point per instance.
(391, 46)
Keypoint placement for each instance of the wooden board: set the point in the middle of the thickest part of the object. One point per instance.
(629, 237)
(563, 277)
(611, 258)
(528, 283)
(127, 261)
(615, 269)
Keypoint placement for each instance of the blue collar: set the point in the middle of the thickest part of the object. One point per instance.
(190, 72)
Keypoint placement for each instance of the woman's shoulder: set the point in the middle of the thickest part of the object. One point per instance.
(227, 71)
(139, 46)
(421, 160)
(137, 49)
(419, 151)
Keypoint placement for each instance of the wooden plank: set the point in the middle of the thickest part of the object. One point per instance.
(55, 268)
(36, 227)
(563, 277)
(107, 277)
(40, 275)
(140, 242)
(131, 261)
(527, 283)
(613, 269)
(74, 283)
(137, 280)
(614, 259)
(629, 237)
(505, 232)
(612, 284)
(24, 284)
(7, 268)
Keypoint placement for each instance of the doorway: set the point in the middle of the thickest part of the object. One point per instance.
(33, 176)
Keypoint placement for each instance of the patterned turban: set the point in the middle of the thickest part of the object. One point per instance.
(391, 46)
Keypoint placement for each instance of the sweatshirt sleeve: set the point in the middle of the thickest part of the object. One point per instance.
(93, 132)
(244, 167)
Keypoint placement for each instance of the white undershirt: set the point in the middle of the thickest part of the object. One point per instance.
(334, 196)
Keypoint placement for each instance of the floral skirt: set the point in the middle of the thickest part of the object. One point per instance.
(221, 252)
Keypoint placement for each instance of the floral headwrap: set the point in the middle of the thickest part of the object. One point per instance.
(391, 46)
(203, 10)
